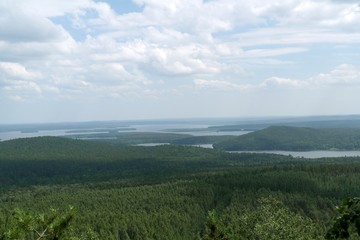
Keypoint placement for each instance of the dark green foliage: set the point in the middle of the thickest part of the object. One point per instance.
(201, 140)
(130, 138)
(62, 126)
(294, 139)
(214, 230)
(22, 225)
(51, 160)
(306, 122)
(57, 148)
(348, 220)
(269, 220)
(165, 192)
(52, 148)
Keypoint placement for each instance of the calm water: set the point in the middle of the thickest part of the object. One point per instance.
(151, 144)
(55, 133)
(159, 144)
(17, 134)
(203, 145)
(156, 128)
(159, 128)
(308, 154)
(311, 154)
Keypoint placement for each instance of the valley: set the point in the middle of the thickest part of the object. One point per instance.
(123, 191)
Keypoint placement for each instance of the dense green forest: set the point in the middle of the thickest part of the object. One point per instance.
(306, 122)
(171, 192)
(294, 139)
(115, 137)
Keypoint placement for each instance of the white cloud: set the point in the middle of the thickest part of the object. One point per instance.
(26, 35)
(23, 87)
(259, 53)
(10, 70)
(273, 83)
(186, 59)
(322, 13)
(111, 73)
(344, 74)
(299, 36)
(85, 49)
(23, 25)
(220, 85)
(51, 8)
(283, 83)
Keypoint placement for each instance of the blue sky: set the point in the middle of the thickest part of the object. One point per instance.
(85, 60)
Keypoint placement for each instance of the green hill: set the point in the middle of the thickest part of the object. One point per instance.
(52, 148)
(294, 139)
(55, 160)
(166, 192)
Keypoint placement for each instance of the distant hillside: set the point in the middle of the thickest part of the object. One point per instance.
(52, 160)
(52, 148)
(294, 139)
(306, 123)
(59, 148)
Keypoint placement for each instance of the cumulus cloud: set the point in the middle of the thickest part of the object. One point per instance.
(52, 8)
(19, 26)
(270, 83)
(344, 74)
(27, 35)
(24, 87)
(283, 83)
(291, 36)
(10, 70)
(204, 43)
(13, 29)
(259, 53)
(220, 85)
(187, 59)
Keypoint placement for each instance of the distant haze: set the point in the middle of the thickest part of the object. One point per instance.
(84, 60)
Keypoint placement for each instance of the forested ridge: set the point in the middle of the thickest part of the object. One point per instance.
(117, 138)
(166, 192)
(294, 139)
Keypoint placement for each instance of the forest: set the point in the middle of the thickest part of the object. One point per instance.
(168, 192)
(294, 139)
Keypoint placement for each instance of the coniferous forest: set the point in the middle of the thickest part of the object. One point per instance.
(104, 191)
(179, 119)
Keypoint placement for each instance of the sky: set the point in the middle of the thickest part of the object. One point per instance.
(84, 60)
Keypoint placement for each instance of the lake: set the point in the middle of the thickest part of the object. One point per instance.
(160, 144)
(18, 134)
(151, 144)
(309, 154)
(157, 128)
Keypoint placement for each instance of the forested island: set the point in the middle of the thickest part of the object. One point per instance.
(170, 191)
(294, 139)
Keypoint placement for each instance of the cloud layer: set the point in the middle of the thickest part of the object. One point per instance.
(164, 50)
